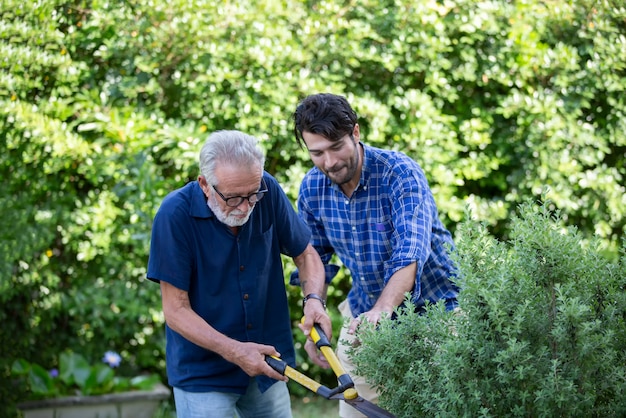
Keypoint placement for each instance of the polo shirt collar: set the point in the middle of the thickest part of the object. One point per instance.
(199, 207)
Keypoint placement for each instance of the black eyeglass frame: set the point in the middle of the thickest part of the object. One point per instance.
(251, 198)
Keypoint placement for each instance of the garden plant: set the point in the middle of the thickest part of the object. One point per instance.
(540, 331)
(76, 376)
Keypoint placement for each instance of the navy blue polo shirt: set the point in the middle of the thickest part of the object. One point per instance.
(235, 282)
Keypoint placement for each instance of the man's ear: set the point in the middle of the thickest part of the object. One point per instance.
(356, 132)
(204, 185)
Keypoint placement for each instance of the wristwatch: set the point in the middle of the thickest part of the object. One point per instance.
(313, 296)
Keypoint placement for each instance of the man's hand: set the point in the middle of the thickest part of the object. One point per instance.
(251, 358)
(314, 313)
(373, 316)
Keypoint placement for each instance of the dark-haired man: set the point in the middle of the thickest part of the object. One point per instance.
(375, 210)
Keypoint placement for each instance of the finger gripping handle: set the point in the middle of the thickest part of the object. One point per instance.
(277, 364)
(319, 338)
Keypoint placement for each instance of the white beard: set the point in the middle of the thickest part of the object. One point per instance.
(230, 219)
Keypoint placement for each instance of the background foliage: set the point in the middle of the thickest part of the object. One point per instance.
(104, 105)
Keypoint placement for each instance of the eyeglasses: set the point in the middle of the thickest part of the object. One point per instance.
(235, 201)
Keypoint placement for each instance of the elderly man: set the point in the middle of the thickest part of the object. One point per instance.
(216, 251)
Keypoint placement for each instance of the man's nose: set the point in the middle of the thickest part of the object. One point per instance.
(246, 204)
(329, 160)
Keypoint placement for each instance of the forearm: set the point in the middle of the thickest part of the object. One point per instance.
(311, 272)
(181, 318)
(398, 285)
(392, 296)
(313, 281)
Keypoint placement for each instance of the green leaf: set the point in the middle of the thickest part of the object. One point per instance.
(74, 369)
(100, 380)
(20, 367)
(145, 382)
(40, 381)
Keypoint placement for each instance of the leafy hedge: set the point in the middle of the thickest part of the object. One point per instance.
(103, 106)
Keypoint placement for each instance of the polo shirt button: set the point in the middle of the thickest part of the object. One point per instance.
(241, 268)
(246, 296)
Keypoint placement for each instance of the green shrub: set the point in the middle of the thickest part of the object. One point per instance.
(541, 331)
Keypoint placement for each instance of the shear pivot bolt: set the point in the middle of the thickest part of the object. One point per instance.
(350, 393)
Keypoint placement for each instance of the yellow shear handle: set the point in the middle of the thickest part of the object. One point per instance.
(322, 342)
(281, 367)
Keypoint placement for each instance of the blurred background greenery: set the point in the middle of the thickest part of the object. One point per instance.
(104, 105)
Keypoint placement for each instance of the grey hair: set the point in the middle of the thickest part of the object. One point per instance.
(230, 147)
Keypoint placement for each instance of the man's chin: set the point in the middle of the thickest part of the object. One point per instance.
(236, 220)
(338, 180)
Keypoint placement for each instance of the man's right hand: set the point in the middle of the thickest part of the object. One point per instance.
(251, 358)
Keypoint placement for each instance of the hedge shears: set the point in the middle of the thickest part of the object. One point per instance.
(344, 391)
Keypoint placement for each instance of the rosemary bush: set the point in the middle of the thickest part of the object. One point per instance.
(541, 331)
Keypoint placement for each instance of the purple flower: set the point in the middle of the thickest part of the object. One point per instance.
(112, 358)
(54, 373)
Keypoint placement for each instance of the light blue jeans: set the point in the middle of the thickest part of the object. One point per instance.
(273, 403)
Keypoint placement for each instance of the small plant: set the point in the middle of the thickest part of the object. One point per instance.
(76, 376)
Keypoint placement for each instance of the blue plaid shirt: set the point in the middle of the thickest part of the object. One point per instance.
(389, 222)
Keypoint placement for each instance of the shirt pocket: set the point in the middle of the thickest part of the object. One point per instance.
(381, 235)
(262, 251)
